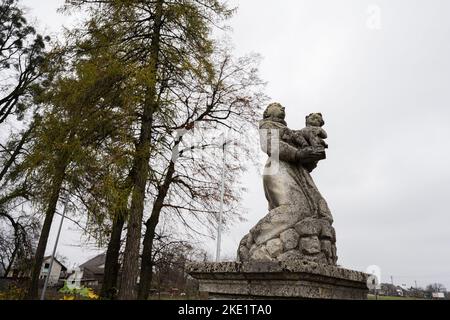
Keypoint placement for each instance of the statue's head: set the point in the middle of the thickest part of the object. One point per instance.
(315, 120)
(275, 110)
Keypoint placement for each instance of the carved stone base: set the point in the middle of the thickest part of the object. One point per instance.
(284, 280)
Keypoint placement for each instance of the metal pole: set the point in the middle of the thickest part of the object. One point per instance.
(54, 251)
(222, 193)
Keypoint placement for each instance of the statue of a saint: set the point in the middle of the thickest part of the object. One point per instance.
(299, 222)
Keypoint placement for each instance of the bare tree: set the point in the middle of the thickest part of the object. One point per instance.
(435, 287)
(170, 257)
(18, 234)
(187, 176)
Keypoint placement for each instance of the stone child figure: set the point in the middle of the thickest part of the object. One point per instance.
(312, 135)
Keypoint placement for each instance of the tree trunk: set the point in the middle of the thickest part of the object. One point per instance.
(152, 222)
(11, 262)
(112, 265)
(59, 176)
(15, 225)
(130, 270)
(146, 274)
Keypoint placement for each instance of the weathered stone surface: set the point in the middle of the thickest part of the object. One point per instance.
(308, 227)
(278, 280)
(334, 251)
(249, 241)
(244, 252)
(244, 241)
(290, 256)
(325, 246)
(318, 258)
(274, 247)
(273, 225)
(260, 253)
(310, 245)
(327, 231)
(324, 211)
(290, 239)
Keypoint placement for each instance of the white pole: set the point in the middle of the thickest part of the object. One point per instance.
(54, 251)
(222, 193)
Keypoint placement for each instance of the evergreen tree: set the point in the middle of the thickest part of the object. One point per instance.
(166, 38)
(80, 109)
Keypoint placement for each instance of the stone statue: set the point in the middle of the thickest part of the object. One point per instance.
(291, 252)
(299, 223)
(312, 135)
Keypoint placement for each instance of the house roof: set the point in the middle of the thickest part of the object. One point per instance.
(63, 267)
(96, 264)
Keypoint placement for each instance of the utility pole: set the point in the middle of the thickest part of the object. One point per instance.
(52, 259)
(222, 195)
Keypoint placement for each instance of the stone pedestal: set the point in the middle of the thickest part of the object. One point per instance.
(283, 280)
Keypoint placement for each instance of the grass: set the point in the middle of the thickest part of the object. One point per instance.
(372, 297)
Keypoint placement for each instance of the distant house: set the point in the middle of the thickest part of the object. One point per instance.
(402, 291)
(438, 295)
(89, 274)
(57, 273)
(388, 289)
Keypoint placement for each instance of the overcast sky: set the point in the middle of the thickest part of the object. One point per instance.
(379, 71)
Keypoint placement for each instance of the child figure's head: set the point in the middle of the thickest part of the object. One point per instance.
(314, 120)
